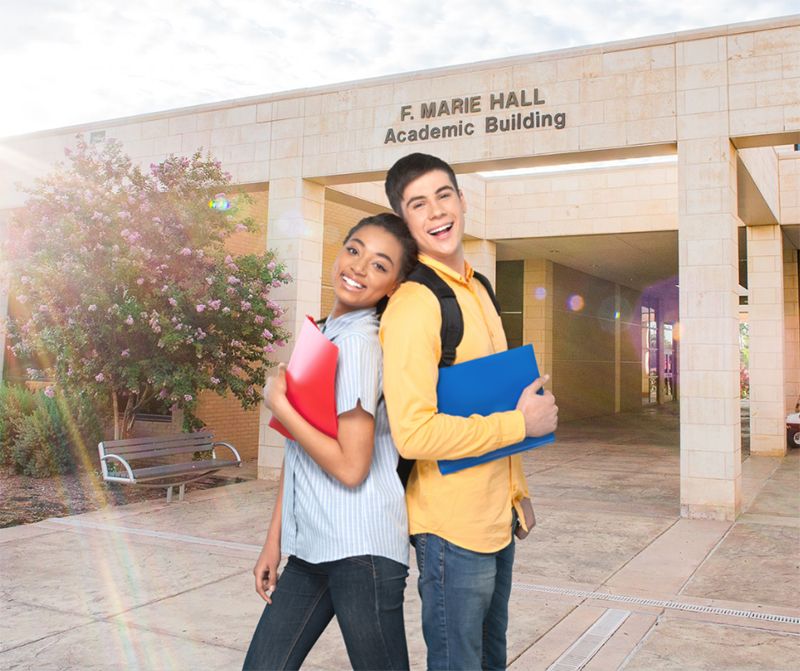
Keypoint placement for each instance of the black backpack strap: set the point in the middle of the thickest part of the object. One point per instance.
(451, 333)
(452, 320)
(488, 286)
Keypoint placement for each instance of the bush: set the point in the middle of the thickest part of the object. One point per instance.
(42, 436)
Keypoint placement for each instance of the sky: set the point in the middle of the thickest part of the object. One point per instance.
(68, 62)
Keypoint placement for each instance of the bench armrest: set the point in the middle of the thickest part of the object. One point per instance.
(113, 478)
(230, 447)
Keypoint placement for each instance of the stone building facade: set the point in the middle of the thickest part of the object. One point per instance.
(627, 279)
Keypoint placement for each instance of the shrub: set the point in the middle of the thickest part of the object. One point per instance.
(42, 436)
(15, 404)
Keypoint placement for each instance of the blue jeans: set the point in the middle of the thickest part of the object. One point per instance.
(464, 603)
(366, 595)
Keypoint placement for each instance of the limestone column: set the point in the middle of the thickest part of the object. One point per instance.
(710, 430)
(294, 230)
(537, 312)
(791, 320)
(482, 256)
(766, 317)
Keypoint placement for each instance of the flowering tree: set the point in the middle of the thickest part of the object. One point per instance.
(128, 290)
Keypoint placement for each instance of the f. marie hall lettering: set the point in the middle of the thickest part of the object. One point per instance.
(510, 101)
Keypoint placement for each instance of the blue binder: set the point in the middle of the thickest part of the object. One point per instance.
(484, 386)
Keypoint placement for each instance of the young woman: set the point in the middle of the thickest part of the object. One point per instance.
(341, 512)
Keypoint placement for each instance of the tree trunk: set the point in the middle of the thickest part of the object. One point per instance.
(116, 415)
(128, 418)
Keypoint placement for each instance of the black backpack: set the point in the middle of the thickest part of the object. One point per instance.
(452, 327)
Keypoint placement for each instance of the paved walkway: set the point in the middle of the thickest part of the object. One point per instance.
(610, 567)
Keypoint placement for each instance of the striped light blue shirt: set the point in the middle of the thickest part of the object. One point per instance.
(322, 519)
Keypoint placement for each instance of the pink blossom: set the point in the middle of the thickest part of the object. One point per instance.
(22, 299)
(269, 349)
(48, 391)
(172, 301)
(271, 265)
(250, 391)
(215, 380)
(280, 343)
(286, 276)
(129, 320)
(215, 305)
(234, 280)
(266, 334)
(240, 228)
(92, 308)
(230, 290)
(43, 308)
(162, 393)
(226, 310)
(200, 307)
(277, 322)
(209, 281)
(229, 259)
(140, 281)
(276, 283)
(99, 377)
(258, 319)
(188, 397)
(186, 251)
(125, 352)
(245, 305)
(124, 232)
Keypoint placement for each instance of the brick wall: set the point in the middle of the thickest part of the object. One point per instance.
(225, 416)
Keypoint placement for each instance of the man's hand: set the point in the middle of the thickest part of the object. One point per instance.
(266, 571)
(540, 410)
(530, 519)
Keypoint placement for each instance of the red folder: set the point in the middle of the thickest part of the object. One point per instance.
(310, 380)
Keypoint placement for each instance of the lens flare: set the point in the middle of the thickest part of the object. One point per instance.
(575, 303)
(540, 294)
(219, 203)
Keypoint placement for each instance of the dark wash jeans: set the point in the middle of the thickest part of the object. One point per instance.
(464, 603)
(366, 595)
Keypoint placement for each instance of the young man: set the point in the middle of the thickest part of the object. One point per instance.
(461, 524)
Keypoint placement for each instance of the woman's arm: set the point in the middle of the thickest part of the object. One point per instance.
(266, 568)
(347, 457)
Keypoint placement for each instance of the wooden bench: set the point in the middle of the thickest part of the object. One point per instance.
(157, 464)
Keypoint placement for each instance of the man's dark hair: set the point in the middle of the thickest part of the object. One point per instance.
(409, 168)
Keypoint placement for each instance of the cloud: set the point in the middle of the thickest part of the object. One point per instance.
(117, 58)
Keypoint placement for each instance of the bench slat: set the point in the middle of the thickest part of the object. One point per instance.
(177, 469)
(164, 452)
(185, 444)
(208, 435)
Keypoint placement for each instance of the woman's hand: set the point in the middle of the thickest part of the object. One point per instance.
(275, 389)
(266, 570)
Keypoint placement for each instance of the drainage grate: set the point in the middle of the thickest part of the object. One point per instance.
(586, 646)
(674, 605)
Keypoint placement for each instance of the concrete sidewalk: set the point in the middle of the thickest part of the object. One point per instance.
(157, 586)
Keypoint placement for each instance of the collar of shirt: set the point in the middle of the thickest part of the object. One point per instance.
(335, 327)
(438, 265)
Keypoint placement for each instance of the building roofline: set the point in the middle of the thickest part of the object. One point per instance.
(506, 61)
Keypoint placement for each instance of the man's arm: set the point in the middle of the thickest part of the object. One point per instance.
(411, 350)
